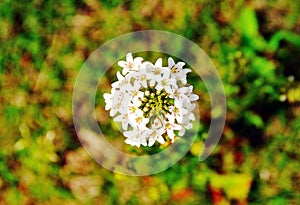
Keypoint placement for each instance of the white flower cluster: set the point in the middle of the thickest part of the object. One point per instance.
(151, 101)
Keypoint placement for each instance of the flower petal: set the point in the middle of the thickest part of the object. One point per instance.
(161, 140)
(122, 64)
(158, 63)
(171, 62)
(129, 58)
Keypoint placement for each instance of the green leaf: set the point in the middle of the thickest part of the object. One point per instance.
(248, 23)
(254, 119)
(283, 35)
(263, 67)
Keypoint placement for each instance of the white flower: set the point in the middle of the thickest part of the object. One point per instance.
(171, 126)
(185, 125)
(166, 82)
(156, 71)
(135, 138)
(116, 103)
(150, 101)
(156, 135)
(136, 95)
(192, 97)
(108, 100)
(177, 70)
(123, 118)
(123, 83)
(130, 63)
(141, 77)
(178, 111)
(139, 122)
(119, 102)
(180, 93)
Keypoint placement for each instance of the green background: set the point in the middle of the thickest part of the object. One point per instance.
(255, 46)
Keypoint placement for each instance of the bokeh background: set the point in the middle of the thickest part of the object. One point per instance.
(255, 46)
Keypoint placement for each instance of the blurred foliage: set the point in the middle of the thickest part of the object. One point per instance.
(255, 46)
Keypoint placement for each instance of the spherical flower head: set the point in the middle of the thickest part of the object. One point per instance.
(151, 102)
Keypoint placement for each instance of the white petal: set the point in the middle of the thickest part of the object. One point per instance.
(152, 82)
(107, 106)
(124, 124)
(186, 70)
(161, 140)
(181, 132)
(125, 70)
(158, 86)
(189, 126)
(171, 62)
(130, 134)
(172, 81)
(171, 134)
(125, 87)
(192, 106)
(176, 127)
(144, 142)
(122, 64)
(193, 97)
(147, 65)
(132, 142)
(184, 111)
(170, 118)
(180, 65)
(144, 83)
(107, 97)
(137, 60)
(183, 80)
(118, 118)
(113, 112)
(129, 58)
(119, 76)
(179, 118)
(151, 142)
(115, 84)
(191, 116)
(190, 88)
(158, 63)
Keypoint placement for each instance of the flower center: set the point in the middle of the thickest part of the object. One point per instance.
(156, 71)
(174, 70)
(155, 102)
